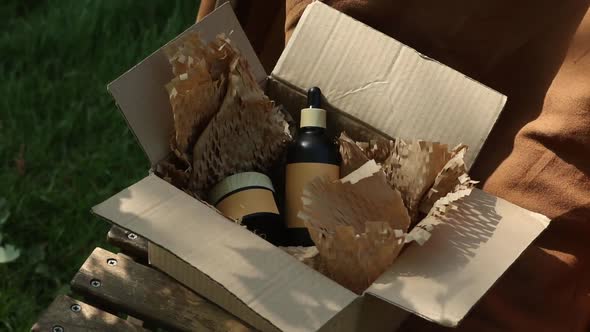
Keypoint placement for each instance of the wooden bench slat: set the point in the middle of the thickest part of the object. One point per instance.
(149, 295)
(129, 243)
(61, 317)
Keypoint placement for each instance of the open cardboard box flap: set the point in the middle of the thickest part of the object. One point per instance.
(267, 281)
(443, 279)
(389, 87)
(140, 92)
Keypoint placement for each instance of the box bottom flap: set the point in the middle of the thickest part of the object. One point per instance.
(385, 84)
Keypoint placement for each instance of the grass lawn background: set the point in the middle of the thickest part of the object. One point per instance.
(63, 145)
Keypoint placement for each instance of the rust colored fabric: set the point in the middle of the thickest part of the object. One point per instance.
(537, 156)
(262, 21)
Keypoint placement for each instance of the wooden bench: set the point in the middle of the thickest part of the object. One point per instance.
(120, 292)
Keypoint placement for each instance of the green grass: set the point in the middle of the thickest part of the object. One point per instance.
(56, 58)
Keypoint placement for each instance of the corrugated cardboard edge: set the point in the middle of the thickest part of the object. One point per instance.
(285, 75)
(151, 121)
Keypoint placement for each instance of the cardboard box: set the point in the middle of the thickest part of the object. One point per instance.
(374, 85)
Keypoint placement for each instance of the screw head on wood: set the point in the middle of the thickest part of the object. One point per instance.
(131, 236)
(111, 261)
(57, 328)
(76, 307)
(95, 283)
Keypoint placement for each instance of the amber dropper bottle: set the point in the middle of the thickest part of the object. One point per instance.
(311, 155)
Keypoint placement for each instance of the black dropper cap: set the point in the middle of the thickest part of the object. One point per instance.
(314, 97)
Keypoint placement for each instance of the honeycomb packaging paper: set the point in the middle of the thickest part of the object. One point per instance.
(361, 222)
(249, 133)
(357, 224)
(224, 124)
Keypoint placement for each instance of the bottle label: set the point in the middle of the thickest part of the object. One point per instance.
(246, 202)
(297, 176)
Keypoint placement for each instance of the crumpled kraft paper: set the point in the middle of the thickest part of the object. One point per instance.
(224, 124)
(354, 154)
(450, 184)
(185, 52)
(451, 178)
(174, 171)
(360, 223)
(357, 224)
(197, 90)
(423, 230)
(410, 167)
(249, 133)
